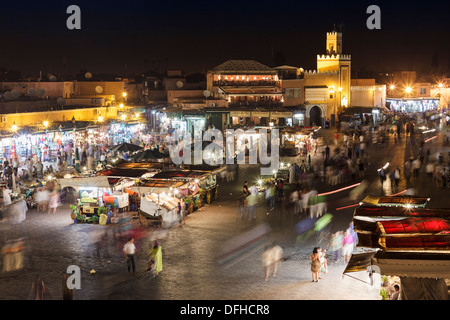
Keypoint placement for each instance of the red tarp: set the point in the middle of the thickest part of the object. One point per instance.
(436, 242)
(416, 225)
(415, 233)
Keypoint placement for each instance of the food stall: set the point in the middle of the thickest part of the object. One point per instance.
(159, 200)
(294, 142)
(91, 191)
(124, 175)
(202, 184)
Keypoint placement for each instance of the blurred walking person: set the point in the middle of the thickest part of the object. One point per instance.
(7, 251)
(305, 201)
(293, 199)
(241, 208)
(270, 258)
(323, 261)
(313, 203)
(67, 294)
(382, 175)
(336, 245)
(252, 201)
(38, 289)
(53, 202)
(396, 177)
(321, 205)
(347, 246)
(156, 255)
(408, 171)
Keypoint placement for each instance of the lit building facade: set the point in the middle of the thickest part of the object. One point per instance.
(327, 89)
(405, 93)
(251, 91)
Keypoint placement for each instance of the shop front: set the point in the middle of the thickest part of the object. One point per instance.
(412, 105)
(47, 145)
(298, 119)
(261, 118)
(297, 142)
(241, 118)
(281, 118)
(195, 124)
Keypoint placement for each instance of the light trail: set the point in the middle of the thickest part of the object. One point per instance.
(430, 139)
(397, 193)
(352, 205)
(339, 190)
(357, 204)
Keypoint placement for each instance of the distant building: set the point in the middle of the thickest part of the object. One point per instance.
(327, 89)
(407, 93)
(32, 103)
(251, 92)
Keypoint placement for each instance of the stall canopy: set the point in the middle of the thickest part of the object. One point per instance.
(158, 186)
(148, 155)
(130, 170)
(126, 147)
(405, 201)
(180, 174)
(77, 183)
(140, 165)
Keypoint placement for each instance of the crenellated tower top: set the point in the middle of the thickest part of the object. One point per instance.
(334, 43)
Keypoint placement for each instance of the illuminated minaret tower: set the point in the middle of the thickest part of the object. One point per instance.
(335, 61)
(334, 43)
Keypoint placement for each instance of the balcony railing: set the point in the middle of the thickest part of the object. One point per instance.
(244, 83)
(272, 104)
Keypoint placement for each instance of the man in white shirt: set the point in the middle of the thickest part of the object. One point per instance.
(129, 249)
(253, 190)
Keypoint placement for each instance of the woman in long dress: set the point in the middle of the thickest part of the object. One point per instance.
(53, 201)
(156, 255)
(315, 265)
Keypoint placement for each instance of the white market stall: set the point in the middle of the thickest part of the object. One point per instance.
(95, 192)
(159, 200)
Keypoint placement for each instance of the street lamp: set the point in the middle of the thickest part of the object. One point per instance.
(408, 90)
(46, 124)
(14, 127)
(121, 105)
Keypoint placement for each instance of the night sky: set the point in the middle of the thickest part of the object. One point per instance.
(132, 36)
